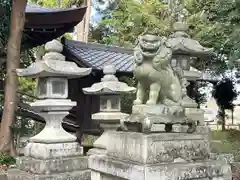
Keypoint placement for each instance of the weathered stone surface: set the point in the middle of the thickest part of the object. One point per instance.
(51, 151)
(109, 84)
(172, 171)
(53, 126)
(236, 170)
(54, 46)
(98, 151)
(15, 174)
(101, 176)
(52, 166)
(54, 56)
(159, 110)
(195, 114)
(3, 176)
(158, 147)
(227, 157)
(181, 129)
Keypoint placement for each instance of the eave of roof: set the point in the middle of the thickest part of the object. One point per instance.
(44, 24)
(50, 17)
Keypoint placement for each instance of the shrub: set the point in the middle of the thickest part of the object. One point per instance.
(6, 159)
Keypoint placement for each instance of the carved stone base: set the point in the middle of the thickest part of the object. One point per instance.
(15, 174)
(107, 168)
(144, 117)
(51, 169)
(158, 147)
(195, 114)
(158, 110)
(56, 150)
(60, 161)
(96, 151)
(52, 166)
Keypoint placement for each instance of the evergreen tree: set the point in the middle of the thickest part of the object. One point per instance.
(224, 94)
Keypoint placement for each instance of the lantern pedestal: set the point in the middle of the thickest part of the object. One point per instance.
(109, 121)
(52, 152)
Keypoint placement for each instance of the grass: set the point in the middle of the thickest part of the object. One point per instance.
(226, 142)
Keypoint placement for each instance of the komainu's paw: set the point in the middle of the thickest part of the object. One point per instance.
(137, 102)
(150, 102)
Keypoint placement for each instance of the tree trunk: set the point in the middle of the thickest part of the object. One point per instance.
(223, 120)
(11, 83)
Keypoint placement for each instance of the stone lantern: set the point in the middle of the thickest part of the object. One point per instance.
(53, 151)
(185, 52)
(109, 90)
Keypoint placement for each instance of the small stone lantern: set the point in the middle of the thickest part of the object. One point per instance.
(185, 51)
(53, 145)
(109, 90)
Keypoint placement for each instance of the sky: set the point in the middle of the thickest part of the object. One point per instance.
(95, 16)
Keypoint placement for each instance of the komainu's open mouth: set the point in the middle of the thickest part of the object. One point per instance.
(149, 49)
(149, 45)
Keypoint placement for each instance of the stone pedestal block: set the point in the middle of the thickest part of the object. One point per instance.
(73, 168)
(16, 174)
(106, 168)
(195, 114)
(158, 156)
(158, 147)
(57, 150)
(52, 166)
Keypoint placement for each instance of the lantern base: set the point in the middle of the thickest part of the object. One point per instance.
(101, 142)
(52, 166)
(56, 150)
(16, 174)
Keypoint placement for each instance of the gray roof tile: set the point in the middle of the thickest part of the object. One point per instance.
(98, 55)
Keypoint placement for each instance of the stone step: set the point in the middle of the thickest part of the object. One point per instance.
(109, 168)
(49, 166)
(15, 174)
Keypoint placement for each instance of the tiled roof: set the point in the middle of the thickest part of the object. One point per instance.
(98, 55)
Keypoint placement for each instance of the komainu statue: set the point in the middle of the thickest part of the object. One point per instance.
(154, 72)
(160, 89)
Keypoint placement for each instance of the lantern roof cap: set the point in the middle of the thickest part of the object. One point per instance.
(109, 84)
(53, 64)
(181, 43)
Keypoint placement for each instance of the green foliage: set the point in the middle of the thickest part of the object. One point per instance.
(127, 99)
(132, 18)
(222, 28)
(224, 94)
(6, 159)
(5, 6)
(27, 86)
